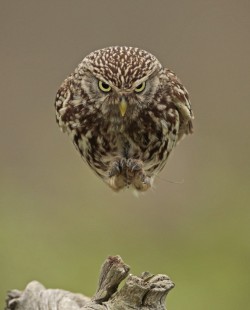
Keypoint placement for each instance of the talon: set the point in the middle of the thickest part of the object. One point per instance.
(135, 167)
(123, 162)
(134, 164)
(117, 166)
(114, 170)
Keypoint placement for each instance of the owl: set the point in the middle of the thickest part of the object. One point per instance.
(125, 113)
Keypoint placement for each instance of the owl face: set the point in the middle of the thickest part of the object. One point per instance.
(120, 80)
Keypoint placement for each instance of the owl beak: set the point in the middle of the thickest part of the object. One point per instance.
(123, 106)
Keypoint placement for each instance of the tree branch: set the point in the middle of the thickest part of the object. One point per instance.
(146, 292)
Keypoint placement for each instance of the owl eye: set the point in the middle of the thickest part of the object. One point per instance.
(104, 87)
(140, 87)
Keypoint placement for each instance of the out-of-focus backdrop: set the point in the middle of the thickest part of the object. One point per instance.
(58, 221)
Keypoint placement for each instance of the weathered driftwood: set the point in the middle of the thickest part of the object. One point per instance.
(141, 293)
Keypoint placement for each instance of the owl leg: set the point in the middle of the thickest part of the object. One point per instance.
(116, 174)
(137, 175)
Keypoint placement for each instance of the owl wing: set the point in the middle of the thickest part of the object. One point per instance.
(68, 105)
(180, 98)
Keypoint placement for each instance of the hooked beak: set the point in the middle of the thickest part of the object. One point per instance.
(123, 106)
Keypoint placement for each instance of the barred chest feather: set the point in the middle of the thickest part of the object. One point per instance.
(146, 139)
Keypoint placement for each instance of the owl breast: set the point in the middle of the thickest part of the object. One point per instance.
(145, 140)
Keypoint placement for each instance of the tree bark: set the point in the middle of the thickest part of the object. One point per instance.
(146, 292)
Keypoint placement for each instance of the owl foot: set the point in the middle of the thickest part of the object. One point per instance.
(116, 174)
(117, 182)
(133, 169)
(134, 165)
(117, 166)
(125, 172)
(142, 182)
(137, 176)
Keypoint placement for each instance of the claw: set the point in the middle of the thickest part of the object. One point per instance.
(134, 164)
(117, 166)
(114, 170)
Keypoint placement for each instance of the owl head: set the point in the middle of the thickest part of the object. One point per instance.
(121, 81)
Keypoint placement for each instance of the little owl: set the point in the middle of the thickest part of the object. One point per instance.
(125, 113)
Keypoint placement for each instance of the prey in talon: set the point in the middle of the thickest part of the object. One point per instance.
(125, 113)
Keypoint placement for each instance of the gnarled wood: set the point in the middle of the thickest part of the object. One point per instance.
(145, 292)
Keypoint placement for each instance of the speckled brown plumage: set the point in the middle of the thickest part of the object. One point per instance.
(124, 113)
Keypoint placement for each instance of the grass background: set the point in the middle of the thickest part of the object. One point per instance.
(58, 222)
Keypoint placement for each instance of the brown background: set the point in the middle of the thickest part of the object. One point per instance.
(58, 222)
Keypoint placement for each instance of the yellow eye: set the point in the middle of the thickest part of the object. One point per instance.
(140, 87)
(104, 87)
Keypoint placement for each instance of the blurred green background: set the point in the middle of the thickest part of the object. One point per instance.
(58, 221)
